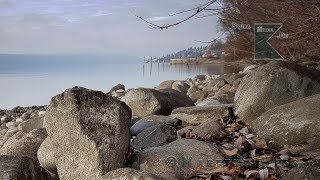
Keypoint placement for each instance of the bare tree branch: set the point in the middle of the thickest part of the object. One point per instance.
(200, 9)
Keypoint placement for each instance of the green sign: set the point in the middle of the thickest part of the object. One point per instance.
(263, 50)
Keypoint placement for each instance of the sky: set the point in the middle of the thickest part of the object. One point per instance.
(100, 26)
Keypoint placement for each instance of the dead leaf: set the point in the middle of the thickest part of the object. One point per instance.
(231, 152)
(260, 143)
(252, 144)
(249, 136)
(263, 158)
(228, 146)
(251, 174)
(238, 143)
(244, 131)
(234, 127)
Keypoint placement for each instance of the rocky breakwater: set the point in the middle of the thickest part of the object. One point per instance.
(261, 123)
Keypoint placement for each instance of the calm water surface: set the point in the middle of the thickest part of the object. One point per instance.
(27, 80)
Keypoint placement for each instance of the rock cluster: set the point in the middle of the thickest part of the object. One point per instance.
(260, 123)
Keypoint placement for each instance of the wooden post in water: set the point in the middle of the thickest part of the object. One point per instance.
(158, 65)
(144, 62)
(151, 66)
(163, 64)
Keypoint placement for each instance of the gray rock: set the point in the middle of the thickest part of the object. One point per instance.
(249, 69)
(141, 125)
(153, 120)
(199, 114)
(165, 84)
(25, 116)
(174, 160)
(180, 86)
(154, 136)
(237, 82)
(215, 100)
(41, 113)
(21, 168)
(5, 119)
(46, 156)
(145, 102)
(117, 91)
(309, 170)
(10, 132)
(226, 88)
(200, 77)
(117, 87)
(89, 131)
(19, 120)
(272, 85)
(130, 174)
(192, 89)
(208, 129)
(12, 124)
(230, 78)
(293, 124)
(22, 144)
(31, 124)
(195, 96)
(176, 99)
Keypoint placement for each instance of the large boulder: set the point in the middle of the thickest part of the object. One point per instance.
(145, 102)
(199, 114)
(174, 160)
(21, 168)
(155, 136)
(130, 174)
(24, 144)
(271, 85)
(153, 120)
(307, 171)
(294, 125)
(89, 132)
(176, 99)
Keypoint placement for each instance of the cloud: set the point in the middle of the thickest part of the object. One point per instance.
(101, 13)
(158, 18)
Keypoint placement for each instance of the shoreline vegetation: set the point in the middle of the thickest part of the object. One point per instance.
(260, 123)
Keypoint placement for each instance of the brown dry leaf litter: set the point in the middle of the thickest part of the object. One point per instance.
(246, 156)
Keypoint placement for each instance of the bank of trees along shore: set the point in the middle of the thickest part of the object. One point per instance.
(300, 19)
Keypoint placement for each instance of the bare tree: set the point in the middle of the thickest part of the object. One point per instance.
(300, 19)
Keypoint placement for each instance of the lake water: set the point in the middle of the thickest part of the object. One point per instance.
(27, 80)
